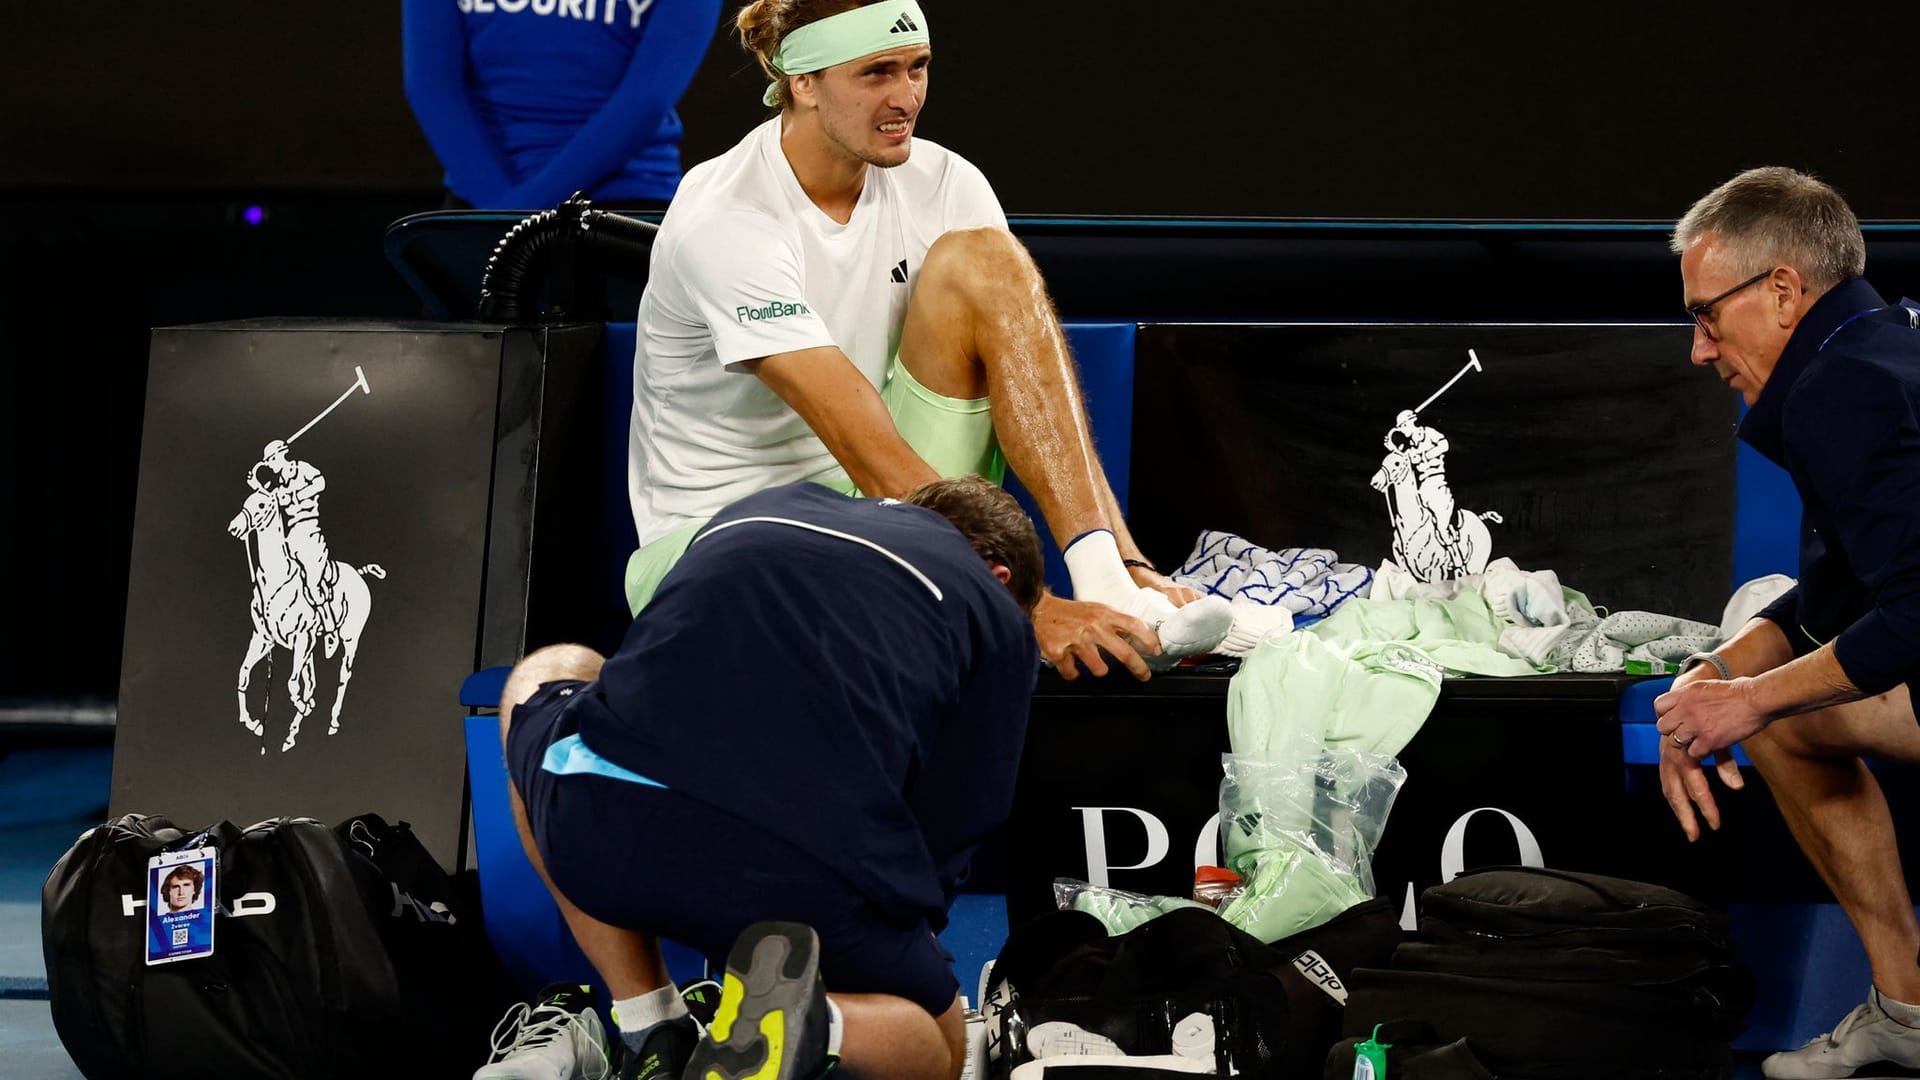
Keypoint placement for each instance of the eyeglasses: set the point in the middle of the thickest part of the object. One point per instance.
(1703, 312)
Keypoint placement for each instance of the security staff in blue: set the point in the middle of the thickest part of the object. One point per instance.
(1771, 262)
(816, 720)
(527, 101)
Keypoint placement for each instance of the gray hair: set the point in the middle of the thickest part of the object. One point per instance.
(1775, 216)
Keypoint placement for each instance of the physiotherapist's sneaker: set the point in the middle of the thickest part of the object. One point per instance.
(702, 1000)
(558, 1037)
(1868, 1043)
(772, 1022)
(665, 1053)
(1191, 630)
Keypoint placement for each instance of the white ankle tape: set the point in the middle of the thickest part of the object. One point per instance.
(1093, 562)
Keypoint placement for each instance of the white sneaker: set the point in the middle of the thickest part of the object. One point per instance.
(1057, 1038)
(1868, 1043)
(1197, 628)
(557, 1038)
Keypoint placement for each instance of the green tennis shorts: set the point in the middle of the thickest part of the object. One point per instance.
(953, 435)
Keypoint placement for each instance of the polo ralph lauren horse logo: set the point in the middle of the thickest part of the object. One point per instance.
(1432, 540)
(301, 596)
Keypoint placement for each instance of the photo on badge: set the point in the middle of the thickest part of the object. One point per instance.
(180, 905)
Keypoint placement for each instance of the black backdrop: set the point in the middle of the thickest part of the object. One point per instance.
(134, 136)
(1311, 108)
(408, 466)
(1606, 462)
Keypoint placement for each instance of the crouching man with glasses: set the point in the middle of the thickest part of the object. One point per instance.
(1771, 262)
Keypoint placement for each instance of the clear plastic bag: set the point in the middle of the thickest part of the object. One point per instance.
(1301, 829)
(1215, 885)
(1117, 909)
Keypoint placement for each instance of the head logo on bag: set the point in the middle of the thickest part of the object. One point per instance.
(1320, 974)
(359, 949)
(253, 903)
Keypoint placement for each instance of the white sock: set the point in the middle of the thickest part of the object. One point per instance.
(836, 1028)
(1093, 562)
(1252, 624)
(1899, 1011)
(638, 1015)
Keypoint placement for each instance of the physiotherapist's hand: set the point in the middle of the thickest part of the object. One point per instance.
(1180, 594)
(1684, 783)
(1683, 776)
(1074, 632)
(1708, 715)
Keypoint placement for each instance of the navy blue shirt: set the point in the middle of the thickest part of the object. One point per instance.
(846, 673)
(1841, 413)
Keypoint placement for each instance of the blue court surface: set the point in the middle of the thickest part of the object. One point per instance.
(48, 796)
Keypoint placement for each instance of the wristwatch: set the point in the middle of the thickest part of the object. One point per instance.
(1707, 658)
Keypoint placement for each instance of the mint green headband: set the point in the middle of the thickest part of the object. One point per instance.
(849, 35)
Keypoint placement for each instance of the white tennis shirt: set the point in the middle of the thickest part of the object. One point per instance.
(744, 267)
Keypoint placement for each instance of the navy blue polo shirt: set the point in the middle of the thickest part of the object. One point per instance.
(846, 673)
(1841, 413)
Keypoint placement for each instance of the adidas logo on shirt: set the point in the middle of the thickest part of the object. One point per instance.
(899, 274)
(904, 26)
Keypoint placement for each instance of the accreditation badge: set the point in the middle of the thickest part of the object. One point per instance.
(180, 904)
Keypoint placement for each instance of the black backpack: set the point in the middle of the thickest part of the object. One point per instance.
(1566, 975)
(337, 953)
(1275, 1009)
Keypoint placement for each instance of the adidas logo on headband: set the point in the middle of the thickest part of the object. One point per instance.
(865, 30)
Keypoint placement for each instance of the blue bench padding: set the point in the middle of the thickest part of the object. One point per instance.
(1105, 355)
(483, 688)
(521, 919)
(1766, 518)
(1636, 701)
(1639, 739)
(615, 538)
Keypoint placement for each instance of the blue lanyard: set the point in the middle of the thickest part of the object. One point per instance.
(1913, 320)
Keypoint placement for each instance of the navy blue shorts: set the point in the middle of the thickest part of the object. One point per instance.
(651, 859)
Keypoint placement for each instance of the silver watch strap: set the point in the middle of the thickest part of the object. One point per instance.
(1708, 658)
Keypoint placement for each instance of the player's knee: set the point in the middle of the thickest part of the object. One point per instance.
(970, 259)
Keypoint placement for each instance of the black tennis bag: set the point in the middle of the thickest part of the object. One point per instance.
(336, 953)
(1557, 974)
(1274, 1010)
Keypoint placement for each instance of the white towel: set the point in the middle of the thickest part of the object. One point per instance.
(1309, 582)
